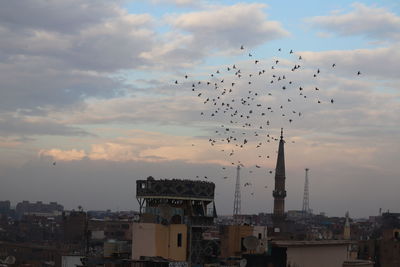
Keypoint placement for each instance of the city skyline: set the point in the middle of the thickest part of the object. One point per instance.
(89, 104)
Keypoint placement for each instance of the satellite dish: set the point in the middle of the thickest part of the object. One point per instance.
(243, 263)
(9, 260)
(165, 211)
(251, 242)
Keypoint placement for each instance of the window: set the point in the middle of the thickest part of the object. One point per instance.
(259, 236)
(179, 240)
(242, 247)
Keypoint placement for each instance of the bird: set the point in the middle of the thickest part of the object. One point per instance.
(54, 163)
(359, 73)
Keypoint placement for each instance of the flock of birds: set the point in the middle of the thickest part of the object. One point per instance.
(249, 102)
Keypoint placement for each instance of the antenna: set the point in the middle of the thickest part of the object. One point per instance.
(237, 201)
(306, 206)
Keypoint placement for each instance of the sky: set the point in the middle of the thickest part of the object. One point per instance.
(93, 97)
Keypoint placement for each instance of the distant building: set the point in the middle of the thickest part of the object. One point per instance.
(75, 227)
(5, 206)
(38, 209)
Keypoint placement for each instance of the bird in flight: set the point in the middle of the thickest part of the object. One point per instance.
(230, 107)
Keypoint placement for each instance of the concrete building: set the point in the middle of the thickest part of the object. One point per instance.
(233, 238)
(157, 240)
(329, 253)
(358, 263)
(74, 225)
(168, 205)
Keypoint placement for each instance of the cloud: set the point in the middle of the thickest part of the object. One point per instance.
(7, 142)
(63, 155)
(372, 22)
(179, 3)
(229, 26)
(77, 50)
(142, 146)
(66, 51)
(373, 63)
(11, 125)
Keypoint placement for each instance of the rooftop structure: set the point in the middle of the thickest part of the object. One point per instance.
(165, 204)
(175, 189)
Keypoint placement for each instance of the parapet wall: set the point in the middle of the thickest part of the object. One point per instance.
(175, 188)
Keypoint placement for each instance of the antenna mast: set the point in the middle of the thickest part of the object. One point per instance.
(306, 206)
(237, 201)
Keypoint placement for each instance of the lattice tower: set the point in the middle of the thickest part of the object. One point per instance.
(237, 201)
(306, 204)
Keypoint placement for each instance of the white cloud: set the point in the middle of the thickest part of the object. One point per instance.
(179, 3)
(370, 21)
(376, 63)
(229, 26)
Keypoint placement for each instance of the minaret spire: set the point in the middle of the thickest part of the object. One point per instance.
(279, 192)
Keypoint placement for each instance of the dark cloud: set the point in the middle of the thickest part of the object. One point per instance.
(58, 16)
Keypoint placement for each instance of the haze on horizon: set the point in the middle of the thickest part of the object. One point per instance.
(90, 86)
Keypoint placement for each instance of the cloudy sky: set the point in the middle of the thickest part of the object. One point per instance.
(91, 86)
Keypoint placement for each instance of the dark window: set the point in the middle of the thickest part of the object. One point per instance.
(259, 236)
(179, 241)
(242, 247)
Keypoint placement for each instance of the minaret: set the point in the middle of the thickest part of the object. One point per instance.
(279, 193)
